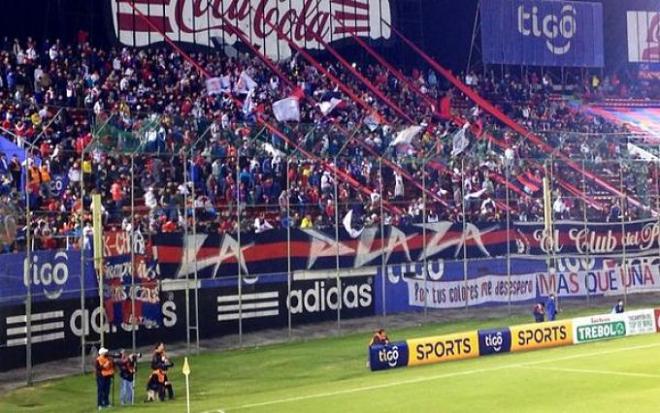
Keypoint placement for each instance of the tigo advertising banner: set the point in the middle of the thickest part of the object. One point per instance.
(541, 335)
(388, 356)
(542, 33)
(494, 341)
(443, 348)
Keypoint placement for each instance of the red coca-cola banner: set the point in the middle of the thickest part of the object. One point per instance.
(199, 21)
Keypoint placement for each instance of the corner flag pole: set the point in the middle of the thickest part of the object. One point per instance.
(186, 372)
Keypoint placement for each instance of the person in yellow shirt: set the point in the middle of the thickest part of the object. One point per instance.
(306, 222)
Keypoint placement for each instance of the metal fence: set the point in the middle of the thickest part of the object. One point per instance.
(264, 186)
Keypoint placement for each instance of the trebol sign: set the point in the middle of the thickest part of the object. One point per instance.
(199, 21)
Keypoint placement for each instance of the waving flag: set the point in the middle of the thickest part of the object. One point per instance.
(406, 136)
(327, 107)
(245, 83)
(287, 109)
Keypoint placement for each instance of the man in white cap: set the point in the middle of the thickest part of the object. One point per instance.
(105, 369)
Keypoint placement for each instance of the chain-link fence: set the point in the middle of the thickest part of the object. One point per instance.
(219, 230)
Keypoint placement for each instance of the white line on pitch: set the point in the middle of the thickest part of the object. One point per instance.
(430, 378)
(589, 371)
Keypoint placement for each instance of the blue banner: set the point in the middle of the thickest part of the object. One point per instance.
(494, 341)
(54, 275)
(383, 357)
(542, 33)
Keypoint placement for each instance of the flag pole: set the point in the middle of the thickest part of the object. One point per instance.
(186, 372)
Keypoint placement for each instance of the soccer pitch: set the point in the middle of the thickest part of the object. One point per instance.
(330, 375)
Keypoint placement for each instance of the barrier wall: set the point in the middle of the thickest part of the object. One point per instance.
(525, 337)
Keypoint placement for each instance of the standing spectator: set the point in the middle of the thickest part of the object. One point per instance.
(618, 308)
(539, 312)
(551, 308)
(105, 369)
(15, 170)
(127, 373)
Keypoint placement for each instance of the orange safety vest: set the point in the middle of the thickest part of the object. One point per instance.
(107, 367)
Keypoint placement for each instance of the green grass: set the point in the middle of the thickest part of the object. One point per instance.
(329, 375)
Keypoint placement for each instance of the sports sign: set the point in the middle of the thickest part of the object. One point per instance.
(443, 348)
(541, 335)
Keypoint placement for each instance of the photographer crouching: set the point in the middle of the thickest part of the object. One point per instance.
(158, 382)
(127, 364)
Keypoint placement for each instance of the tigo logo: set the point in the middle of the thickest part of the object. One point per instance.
(494, 341)
(388, 356)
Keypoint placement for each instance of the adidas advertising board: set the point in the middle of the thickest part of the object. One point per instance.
(58, 325)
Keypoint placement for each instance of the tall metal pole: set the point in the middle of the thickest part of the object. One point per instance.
(338, 277)
(508, 231)
(465, 263)
(195, 270)
(84, 319)
(28, 277)
(425, 271)
(132, 235)
(288, 246)
(586, 229)
(186, 248)
(240, 251)
(624, 264)
(383, 267)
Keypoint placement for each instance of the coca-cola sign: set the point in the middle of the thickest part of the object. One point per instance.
(199, 21)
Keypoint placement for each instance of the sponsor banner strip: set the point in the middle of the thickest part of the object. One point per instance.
(36, 339)
(34, 317)
(35, 329)
(248, 306)
(253, 314)
(247, 297)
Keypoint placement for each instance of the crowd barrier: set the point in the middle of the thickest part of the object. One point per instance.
(525, 337)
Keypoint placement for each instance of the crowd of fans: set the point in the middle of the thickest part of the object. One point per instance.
(88, 120)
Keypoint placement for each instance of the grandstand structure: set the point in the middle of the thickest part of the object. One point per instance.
(375, 184)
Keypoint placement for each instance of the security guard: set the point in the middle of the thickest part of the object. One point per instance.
(105, 369)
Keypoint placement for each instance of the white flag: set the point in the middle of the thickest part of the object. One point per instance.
(287, 110)
(214, 86)
(328, 106)
(372, 122)
(461, 142)
(248, 105)
(245, 83)
(406, 136)
(354, 233)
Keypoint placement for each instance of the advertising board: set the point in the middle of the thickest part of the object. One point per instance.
(438, 349)
(541, 335)
(542, 33)
(388, 356)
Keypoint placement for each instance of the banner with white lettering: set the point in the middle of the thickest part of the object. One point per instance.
(200, 22)
(542, 33)
(576, 238)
